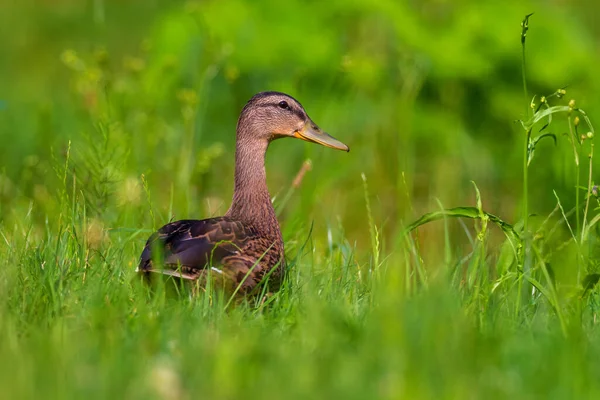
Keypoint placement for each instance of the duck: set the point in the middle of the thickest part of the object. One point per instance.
(243, 249)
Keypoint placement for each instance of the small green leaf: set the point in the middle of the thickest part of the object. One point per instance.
(586, 119)
(533, 142)
(538, 116)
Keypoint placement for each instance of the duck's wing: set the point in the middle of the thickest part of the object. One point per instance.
(189, 246)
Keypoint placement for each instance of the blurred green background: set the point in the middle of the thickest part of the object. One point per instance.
(426, 93)
(116, 116)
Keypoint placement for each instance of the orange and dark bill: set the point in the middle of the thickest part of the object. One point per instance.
(312, 133)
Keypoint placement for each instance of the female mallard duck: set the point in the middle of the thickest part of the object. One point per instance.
(245, 246)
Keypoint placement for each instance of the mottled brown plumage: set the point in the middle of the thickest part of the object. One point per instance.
(243, 247)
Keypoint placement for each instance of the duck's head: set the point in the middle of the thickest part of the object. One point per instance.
(273, 115)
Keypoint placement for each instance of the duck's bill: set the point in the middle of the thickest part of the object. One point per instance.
(312, 133)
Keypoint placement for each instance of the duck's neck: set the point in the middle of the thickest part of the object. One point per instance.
(251, 200)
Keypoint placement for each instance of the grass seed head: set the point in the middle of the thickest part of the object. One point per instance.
(95, 233)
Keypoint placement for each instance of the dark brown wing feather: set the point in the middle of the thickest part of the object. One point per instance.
(195, 244)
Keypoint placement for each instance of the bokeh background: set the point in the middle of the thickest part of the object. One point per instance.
(426, 94)
(116, 116)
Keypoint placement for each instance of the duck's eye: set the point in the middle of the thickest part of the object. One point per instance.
(284, 105)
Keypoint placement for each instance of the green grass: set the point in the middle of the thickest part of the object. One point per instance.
(120, 119)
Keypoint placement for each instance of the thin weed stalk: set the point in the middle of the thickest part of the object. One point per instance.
(577, 190)
(525, 238)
